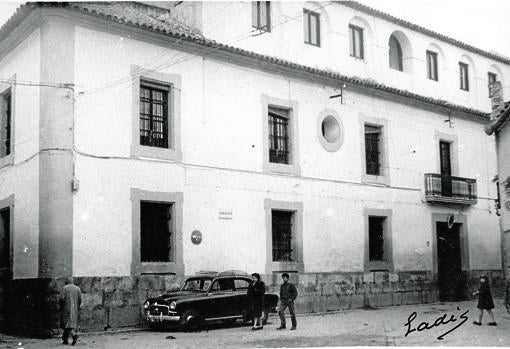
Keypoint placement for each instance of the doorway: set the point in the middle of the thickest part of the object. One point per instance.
(451, 279)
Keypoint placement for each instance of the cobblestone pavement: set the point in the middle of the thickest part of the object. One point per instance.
(379, 327)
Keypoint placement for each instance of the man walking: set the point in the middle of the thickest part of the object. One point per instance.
(288, 294)
(70, 301)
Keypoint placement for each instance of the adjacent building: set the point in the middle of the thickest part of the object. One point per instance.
(143, 142)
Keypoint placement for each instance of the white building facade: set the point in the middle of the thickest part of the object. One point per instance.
(137, 151)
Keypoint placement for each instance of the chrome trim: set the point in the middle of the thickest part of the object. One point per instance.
(224, 318)
(161, 318)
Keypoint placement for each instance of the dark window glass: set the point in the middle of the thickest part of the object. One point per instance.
(156, 232)
(261, 15)
(356, 40)
(491, 78)
(281, 222)
(5, 123)
(432, 65)
(312, 27)
(279, 139)
(376, 239)
(395, 54)
(5, 244)
(464, 76)
(154, 114)
(372, 149)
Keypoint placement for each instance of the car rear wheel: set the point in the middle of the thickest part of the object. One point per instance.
(191, 320)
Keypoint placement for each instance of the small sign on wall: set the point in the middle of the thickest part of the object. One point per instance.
(225, 214)
(196, 237)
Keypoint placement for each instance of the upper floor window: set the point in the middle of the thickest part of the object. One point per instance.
(464, 76)
(5, 123)
(432, 66)
(373, 150)
(279, 135)
(356, 41)
(491, 78)
(261, 15)
(312, 27)
(154, 116)
(395, 54)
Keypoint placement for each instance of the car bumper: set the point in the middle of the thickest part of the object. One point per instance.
(163, 318)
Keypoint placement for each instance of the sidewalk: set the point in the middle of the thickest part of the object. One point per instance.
(380, 327)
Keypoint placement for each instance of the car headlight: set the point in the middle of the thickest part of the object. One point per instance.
(172, 305)
(146, 305)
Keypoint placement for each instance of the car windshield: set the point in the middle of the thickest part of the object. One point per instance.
(199, 285)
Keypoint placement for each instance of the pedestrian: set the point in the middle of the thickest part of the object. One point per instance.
(288, 293)
(485, 301)
(255, 293)
(70, 301)
(507, 294)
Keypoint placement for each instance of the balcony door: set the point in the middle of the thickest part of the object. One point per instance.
(446, 168)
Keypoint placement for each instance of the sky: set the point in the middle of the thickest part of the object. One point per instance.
(481, 23)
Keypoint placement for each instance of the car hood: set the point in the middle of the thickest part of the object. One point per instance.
(174, 296)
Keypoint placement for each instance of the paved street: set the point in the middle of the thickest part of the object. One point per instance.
(380, 327)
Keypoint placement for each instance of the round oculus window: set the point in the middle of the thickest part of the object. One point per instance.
(330, 129)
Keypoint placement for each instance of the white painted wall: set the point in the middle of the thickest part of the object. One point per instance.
(231, 23)
(223, 160)
(22, 179)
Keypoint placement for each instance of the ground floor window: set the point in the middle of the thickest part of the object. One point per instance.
(156, 232)
(5, 250)
(281, 222)
(376, 239)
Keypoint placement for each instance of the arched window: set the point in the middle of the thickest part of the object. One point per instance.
(395, 54)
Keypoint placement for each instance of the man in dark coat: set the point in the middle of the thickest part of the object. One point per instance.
(288, 293)
(70, 301)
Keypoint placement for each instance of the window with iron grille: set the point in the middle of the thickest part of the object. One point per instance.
(491, 78)
(432, 65)
(156, 229)
(372, 149)
(154, 116)
(281, 222)
(261, 15)
(312, 26)
(376, 250)
(279, 135)
(5, 123)
(356, 40)
(464, 76)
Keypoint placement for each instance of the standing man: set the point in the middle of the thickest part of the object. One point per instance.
(70, 301)
(288, 294)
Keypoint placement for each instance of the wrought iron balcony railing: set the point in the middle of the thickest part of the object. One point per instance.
(449, 189)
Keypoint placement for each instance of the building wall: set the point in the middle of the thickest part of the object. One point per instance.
(222, 168)
(20, 177)
(231, 23)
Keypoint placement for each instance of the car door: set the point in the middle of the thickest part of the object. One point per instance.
(221, 298)
(241, 302)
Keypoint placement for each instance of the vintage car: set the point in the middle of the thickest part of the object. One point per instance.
(206, 297)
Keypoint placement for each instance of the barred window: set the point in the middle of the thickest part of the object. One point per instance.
(279, 138)
(356, 41)
(154, 130)
(372, 149)
(261, 15)
(376, 239)
(464, 76)
(156, 240)
(5, 123)
(281, 222)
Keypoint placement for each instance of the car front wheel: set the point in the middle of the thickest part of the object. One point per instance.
(191, 320)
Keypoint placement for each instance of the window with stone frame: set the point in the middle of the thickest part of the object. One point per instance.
(5, 123)
(376, 239)
(279, 135)
(154, 114)
(282, 236)
(156, 232)
(373, 154)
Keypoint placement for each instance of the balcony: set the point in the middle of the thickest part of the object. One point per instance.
(441, 189)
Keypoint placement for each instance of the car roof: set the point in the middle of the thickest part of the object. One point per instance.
(213, 274)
